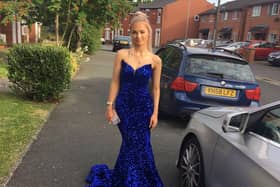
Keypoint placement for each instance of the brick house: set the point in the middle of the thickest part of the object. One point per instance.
(17, 32)
(242, 20)
(170, 19)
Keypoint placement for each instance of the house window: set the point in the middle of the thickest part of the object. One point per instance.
(211, 19)
(272, 37)
(249, 36)
(203, 19)
(234, 36)
(158, 16)
(256, 11)
(209, 35)
(225, 16)
(275, 9)
(235, 15)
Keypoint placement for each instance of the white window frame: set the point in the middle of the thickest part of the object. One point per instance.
(203, 19)
(235, 15)
(272, 37)
(275, 9)
(158, 16)
(256, 11)
(249, 36)
(225, 16)
(157, 37)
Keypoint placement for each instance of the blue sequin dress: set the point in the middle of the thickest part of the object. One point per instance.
(135, 165)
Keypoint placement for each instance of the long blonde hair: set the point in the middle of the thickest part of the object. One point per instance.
(141, 16)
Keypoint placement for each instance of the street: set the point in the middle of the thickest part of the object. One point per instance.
(81, 137)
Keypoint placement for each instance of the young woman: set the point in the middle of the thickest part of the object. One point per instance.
(129, 98)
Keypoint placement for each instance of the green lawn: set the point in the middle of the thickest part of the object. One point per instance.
(3, 70)
(20, 121)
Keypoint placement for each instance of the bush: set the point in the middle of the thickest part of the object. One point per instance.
(74, 64)
(38, 72)
(90, 38)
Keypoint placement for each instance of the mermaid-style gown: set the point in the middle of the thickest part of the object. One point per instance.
(135, 165)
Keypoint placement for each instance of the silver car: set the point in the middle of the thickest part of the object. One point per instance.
(232, 147)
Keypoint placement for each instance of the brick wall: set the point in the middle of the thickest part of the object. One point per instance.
(244, 22)
(271, 21)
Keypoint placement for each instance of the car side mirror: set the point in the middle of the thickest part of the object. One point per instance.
(236, 122)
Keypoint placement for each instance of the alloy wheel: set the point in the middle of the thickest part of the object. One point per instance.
(190, 166)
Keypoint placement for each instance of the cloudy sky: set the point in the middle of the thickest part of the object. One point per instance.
(216, 1)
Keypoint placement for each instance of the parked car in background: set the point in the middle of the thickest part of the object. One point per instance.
(192, 42)
(234, 46)
(102, 41)
(206, 44)
(121, 42)
(274, 58)
(232, 147)
(263, 49)
(196, 78)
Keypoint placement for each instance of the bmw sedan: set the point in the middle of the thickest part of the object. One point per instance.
(232, 147)
(195, 78)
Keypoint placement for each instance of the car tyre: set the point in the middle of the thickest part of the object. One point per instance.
(191, 164)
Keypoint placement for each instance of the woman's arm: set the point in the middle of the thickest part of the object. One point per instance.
(156, 90)
(115, 84)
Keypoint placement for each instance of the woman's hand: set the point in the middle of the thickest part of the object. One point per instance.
(153, 121)
(109, 113)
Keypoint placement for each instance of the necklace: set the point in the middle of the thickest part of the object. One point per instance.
(136, 59)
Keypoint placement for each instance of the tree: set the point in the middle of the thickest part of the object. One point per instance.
(67, 16)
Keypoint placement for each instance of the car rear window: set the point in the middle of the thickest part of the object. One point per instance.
(225, 68)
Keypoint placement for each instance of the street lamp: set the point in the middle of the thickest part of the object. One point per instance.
(216, 24)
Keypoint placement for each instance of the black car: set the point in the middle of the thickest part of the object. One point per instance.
(274, 58)
(121, 42)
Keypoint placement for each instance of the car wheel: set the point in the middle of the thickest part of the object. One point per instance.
(191, 165)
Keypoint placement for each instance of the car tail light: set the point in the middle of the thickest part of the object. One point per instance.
(254, 94)
(190, 86)
(180, 84)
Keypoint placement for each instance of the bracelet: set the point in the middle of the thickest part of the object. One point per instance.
(109, 103)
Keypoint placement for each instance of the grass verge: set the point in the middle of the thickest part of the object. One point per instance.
(3, 70)
(20, 122)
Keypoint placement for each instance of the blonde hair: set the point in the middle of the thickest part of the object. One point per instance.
(142, 17)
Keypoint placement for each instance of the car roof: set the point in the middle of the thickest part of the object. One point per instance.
(122, 37)
(211, 52)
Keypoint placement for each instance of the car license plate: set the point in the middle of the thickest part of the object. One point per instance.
(220, 92)
(123, 42)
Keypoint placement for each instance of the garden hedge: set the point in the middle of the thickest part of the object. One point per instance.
(38, 72)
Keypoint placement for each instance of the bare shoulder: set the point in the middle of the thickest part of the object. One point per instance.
(156, 60)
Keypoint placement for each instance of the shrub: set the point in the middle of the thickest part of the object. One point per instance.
(38, 72)
(74, 64)
(90, 38)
